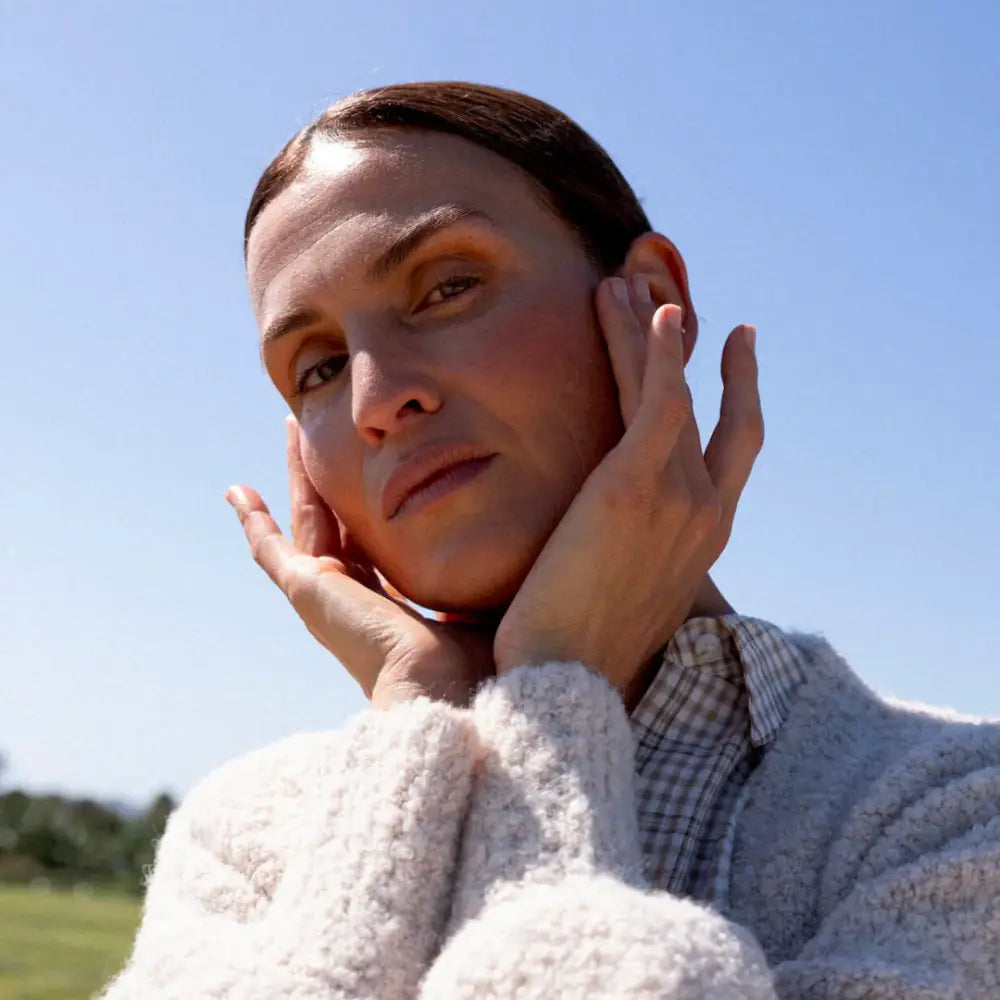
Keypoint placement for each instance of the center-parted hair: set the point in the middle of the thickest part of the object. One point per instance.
(574, 176)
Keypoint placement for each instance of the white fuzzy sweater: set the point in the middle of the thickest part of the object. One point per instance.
(492, 853)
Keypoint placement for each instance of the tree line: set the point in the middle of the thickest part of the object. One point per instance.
(74, 841)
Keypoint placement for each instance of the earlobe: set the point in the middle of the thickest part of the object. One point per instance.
(656, 257)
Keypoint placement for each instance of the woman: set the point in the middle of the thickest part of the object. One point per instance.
(588, 776)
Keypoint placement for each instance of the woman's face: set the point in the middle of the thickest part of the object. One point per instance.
(412, 290)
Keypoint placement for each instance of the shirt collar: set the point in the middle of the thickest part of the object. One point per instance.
(748, 651)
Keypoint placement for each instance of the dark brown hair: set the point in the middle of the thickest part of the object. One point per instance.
(575, 176)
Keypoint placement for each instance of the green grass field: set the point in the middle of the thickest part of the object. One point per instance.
(57, 946)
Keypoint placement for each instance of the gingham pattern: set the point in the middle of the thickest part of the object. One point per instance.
(717, 701)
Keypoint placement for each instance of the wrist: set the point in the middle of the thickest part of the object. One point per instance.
(389, 694)
(395, 687)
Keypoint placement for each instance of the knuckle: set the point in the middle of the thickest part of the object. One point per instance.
(746, 430)
(258, 549)
(754, 430)
(296, 590)
(630, 494)
(674, 407)
(677, 503)
(706, 516)
(724, 533)
(299, 586)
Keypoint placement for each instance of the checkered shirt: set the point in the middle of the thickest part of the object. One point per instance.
(719, 698)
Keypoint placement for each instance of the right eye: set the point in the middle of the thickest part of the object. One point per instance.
(319, 374)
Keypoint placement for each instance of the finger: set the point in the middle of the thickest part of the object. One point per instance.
(271, 550)
(685, 477)
(343, 614)
(314, 528)
(689, 453)
(739, 435)
(626, 343)
(361, 567)
(664, 401)
(641, 300)
(685, 483)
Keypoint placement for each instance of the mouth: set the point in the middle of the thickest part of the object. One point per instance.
(442, 483)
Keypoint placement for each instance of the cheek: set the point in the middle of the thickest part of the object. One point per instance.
(533, 378)
(551, 374)
(332, 460)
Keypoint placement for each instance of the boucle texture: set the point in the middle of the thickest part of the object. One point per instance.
(866, 862)
(553, 793)
(595, 937)
(320, 867)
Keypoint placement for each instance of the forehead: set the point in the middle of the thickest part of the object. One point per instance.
(353, 195)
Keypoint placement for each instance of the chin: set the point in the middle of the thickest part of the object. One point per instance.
(466, 575)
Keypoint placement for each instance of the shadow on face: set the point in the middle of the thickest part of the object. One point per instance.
(412, 291)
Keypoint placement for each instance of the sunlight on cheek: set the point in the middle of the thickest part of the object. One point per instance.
(317, 413)
(322, 455)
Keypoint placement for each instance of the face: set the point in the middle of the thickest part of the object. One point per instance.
(413, 291)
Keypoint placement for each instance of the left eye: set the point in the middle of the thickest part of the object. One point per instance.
(450, 289)
(319, 374)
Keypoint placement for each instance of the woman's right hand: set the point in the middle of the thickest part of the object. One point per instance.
(388, 648)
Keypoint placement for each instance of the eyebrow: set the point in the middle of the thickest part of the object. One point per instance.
(286, 324)
(404, 243)
(416, 232)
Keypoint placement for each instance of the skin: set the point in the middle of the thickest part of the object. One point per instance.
(590, 535)
(514, 363)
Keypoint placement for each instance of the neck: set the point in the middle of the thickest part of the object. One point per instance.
(708, 602)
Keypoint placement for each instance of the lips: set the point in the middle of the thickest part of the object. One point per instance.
(423, 466)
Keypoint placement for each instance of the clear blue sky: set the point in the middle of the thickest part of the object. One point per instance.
(829, 171)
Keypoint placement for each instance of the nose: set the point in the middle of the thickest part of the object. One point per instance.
(389, 391)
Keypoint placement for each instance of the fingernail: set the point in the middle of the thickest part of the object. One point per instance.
(750, 333)
(675, 318)
(236, 496)
(620, 290)
(640, 286)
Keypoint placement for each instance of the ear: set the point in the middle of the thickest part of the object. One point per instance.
(660, 262)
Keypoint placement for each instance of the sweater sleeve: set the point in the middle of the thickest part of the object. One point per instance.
(319, 868)
(549, 903)
(550, 900)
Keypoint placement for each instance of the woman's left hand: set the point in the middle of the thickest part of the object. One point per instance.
(618, 576)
